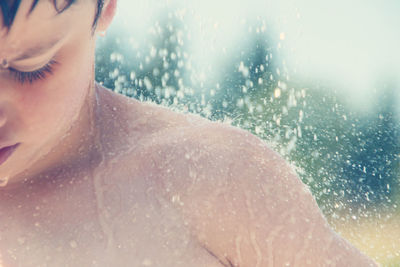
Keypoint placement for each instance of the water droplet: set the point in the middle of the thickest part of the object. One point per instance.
(73, 244)
(175, 198)
(21, 240)
(4, 181)
(147, 262)
(277, 93)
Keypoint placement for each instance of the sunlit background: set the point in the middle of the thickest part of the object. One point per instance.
(317, 80)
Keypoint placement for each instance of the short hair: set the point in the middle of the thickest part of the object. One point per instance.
(9, 9)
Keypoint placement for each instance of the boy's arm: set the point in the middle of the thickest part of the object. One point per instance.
(248, 208)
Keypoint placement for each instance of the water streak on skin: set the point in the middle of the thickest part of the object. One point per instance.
(238, 241)
(270, 247)
(248, 204)
(253, 239)
(99, 189)
(330, 243)
(304, 246)
(256, 248)
(283, 218)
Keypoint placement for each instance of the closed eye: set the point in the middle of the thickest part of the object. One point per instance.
(33, 76)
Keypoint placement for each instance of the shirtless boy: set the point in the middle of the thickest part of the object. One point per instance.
(93, 178)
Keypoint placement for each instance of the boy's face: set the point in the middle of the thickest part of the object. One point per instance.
(39, 112)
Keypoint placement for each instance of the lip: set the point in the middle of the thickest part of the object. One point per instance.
(6, 152)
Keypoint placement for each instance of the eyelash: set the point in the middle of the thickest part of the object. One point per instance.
(33, 76)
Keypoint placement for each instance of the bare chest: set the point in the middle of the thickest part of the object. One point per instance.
(109, 221)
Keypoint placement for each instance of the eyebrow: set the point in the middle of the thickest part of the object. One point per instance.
(37, 50)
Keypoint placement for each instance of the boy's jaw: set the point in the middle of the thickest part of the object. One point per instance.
(62, 155)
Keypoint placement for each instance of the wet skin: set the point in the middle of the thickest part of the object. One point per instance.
(169, 190)
(104, 180)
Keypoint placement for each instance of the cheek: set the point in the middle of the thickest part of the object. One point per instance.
(53, 103)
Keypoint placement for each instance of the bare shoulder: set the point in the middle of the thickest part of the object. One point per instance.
(190, 149)
(186, 152)
(241, 200)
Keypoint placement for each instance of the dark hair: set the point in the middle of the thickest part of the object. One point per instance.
(9, 9)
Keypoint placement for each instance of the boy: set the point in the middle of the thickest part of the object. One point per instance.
(92, 178)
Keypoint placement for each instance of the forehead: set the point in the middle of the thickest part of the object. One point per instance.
(41, 25)
(9, 8)
(28, 27)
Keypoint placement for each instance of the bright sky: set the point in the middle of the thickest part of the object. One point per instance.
(348, 43)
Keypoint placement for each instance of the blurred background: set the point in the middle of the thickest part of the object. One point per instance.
(317, 80)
